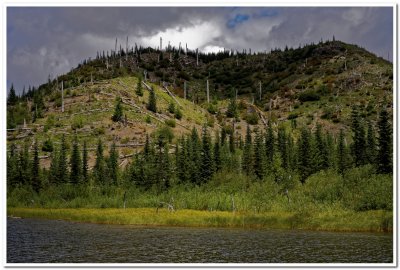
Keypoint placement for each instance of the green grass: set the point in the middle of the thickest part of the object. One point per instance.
(375, 221)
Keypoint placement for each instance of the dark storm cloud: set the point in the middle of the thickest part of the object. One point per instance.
(52, 40)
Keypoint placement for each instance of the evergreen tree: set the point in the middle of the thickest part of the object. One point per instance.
(113, 164)
(12, 167)
(53, 172)
(217, 153)
(118, 112)
(259, 160)
(343, 158)
(139, 87)
(304, 155)
(152, 105)
(35, 169)
(371, 150)
(85, 166)
(330, 147)
(75, 163)
(247, 164)
(321, 152)
(12, 97)
(232, 142)
(232, 109)
(182, 162)
(99, 168)
(62, 172)
(384, 158)
(269, 144)
(359, 144)
(194, 146)
(207, 163)
(24, 164)
(283, 148)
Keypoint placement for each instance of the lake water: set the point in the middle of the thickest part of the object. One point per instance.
(53, 241)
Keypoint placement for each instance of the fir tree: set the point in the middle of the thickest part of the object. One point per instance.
(139, 88)
(283, 149)
(85, 167)
(269, 144)
(118, 112)
(12, 167)
(343, 158)
(247, 164)
(359, 144)
(75, 163)
(12, 97)
(194, 146)
(53, 172)
(304, 155)
(152, 105)
(99, 168)
(259, 160)
(24, 164)
(232, 109)
(207, 164)
(113, 164)
(62, 172)
(321, 152)
(35, 169)
(217, 153)
(384, 158)
(371, 150)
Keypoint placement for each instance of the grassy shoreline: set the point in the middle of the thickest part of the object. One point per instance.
(346, 221)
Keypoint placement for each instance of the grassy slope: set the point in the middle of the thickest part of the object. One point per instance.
(333, 221)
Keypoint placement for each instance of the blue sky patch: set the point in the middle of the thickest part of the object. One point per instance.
(239, 18)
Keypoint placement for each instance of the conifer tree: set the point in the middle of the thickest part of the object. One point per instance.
(321, 152)
(62, 172)
(99, 168)
(247, 163)
(371, 150)
(232, 142)
(182, 162)
(24, 164)
(35, 169)
(384, 158)
(194, 146)
(304, 155)
(343, 158)
(259, 160)
(85, 167)
(217, 153)
(12, 97)
(269, 144)
(330, 147)
(359, 144)
(12, 167)
(152, 105)
(118, 112)
(53, 172)
(282, 146)
(207, 164)
(232, 109)
(139, 88)
(75, 163)
(113, 164)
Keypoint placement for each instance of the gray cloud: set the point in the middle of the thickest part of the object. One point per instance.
(52, 40)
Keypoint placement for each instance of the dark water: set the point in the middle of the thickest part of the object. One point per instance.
(42, 241)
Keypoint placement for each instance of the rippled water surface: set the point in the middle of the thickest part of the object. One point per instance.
(43, 241)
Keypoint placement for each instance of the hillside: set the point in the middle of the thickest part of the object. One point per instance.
(299, 87)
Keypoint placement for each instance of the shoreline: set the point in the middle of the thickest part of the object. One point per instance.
(343, 221)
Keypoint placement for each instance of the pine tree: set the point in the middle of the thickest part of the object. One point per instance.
(12, 97)
(304, 155)
(259, 160)
(118, 111)
(384, 158)
(139, 88)
(321, 152)
(232, 142)
(75, 163)
(62, 172)
(152, 105)
(207, 164)
(330, 147)
(99, 168)
(359, 144)
(35, 169)
(282, 147)
(113, 164)
(24, 164)
(12, 167)
(247, 164)
(371, 150)
(269, 144)
(232, 109)
(343, 158)
(85, 167)
(194, 146)
(53, 172)
(217, 153)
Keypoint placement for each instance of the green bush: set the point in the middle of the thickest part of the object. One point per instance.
(170, 122)
(251, 118)
(309, 95)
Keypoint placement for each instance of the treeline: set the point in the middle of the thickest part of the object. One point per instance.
(195, 158)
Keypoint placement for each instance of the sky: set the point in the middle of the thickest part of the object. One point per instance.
(43, 41)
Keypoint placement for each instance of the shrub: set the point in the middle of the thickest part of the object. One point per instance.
(309, 95)
(293, 116)
(178, 114)
(170, 122)
(47, 146)
(251, 118)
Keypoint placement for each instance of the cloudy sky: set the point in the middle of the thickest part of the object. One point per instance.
(43, 41)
